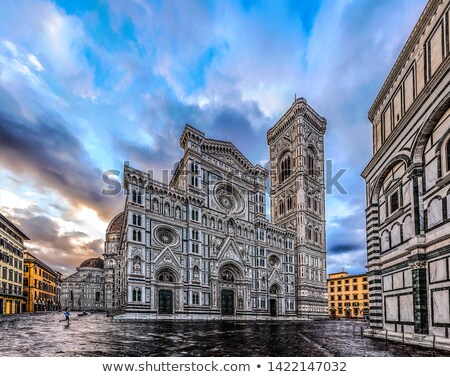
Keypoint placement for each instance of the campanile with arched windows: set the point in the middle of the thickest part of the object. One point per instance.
(297, 198)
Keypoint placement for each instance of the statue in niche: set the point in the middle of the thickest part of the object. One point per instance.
(177, 213)
(196, 274)
(137, 264)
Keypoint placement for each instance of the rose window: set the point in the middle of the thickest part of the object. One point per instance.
(228, 197)
(274, 261)
(166, 236)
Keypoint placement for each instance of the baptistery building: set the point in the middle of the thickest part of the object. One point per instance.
(408, 189)
(201, 247)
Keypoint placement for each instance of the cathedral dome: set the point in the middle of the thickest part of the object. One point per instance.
(115, 225)
(92, 263)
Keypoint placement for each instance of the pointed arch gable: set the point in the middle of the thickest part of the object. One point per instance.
(381, 178)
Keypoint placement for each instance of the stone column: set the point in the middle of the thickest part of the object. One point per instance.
(373, 266)
(416, 176)
(418, 266)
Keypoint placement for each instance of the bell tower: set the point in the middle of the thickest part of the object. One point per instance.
(297, 199)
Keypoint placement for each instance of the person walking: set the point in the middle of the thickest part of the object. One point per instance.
(67, 316)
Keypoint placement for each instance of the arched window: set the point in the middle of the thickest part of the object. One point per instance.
(71, 295)
(139, 220)
(289, 203)
(139, 237)
(281, 207)
(134, 219)
(316, 236)
(285, 168)
(134, 196)
(310, 164)
(139, 295)
(195, 298)
(134, 235)
(134, 295)
(139, 197)
(310, 161)
(97, 296)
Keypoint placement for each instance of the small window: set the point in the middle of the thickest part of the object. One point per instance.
(310, 164)
(394, 202)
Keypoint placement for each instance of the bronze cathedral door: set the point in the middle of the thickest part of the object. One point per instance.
(227, 302)
(165, 301)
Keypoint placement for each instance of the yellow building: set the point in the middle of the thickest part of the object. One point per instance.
(348, 296)
(11, 267)
(42, 285)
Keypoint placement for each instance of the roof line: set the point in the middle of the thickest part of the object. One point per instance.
(16, 229)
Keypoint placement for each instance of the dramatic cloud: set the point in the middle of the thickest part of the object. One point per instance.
(85, 86)
(51, 155)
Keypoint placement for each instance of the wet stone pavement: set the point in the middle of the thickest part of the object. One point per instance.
(97, 335)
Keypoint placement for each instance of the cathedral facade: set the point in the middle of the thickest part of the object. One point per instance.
(201, 247)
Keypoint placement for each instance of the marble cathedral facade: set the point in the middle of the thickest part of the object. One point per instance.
(408, 189)
(201, 246)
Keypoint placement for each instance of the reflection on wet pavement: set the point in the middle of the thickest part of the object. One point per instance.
(97, 335)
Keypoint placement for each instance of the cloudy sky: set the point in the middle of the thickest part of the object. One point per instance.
(85, 86)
